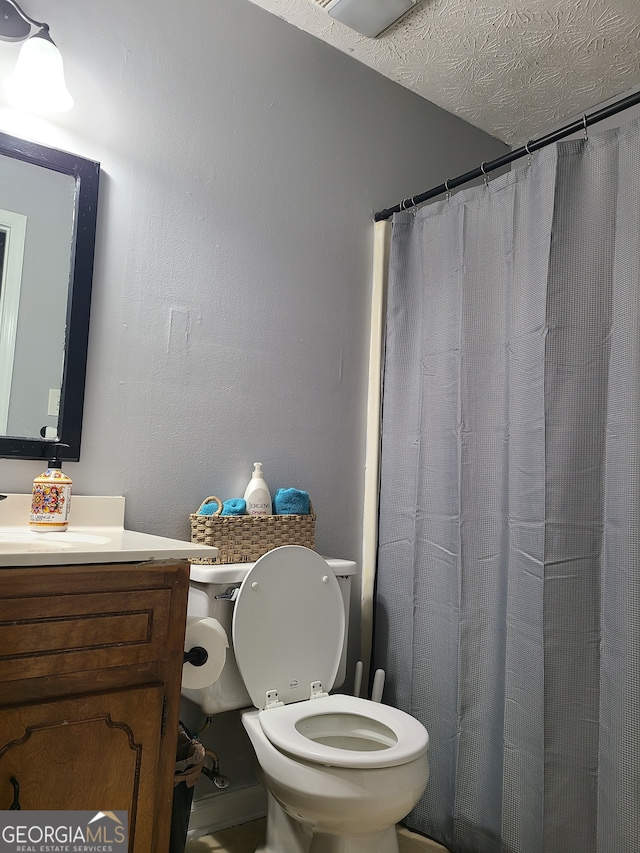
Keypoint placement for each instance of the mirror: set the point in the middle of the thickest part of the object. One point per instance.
(48, 208)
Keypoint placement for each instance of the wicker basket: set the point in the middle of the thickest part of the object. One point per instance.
(244, 538)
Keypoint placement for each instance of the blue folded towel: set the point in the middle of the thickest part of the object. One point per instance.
(291, 502)
(234, 506)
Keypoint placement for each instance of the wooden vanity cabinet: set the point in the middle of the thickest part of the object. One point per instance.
(90, 671)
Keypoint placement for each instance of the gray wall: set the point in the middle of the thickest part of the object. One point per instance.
(242, 163)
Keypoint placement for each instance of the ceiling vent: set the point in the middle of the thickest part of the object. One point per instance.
(368, 17)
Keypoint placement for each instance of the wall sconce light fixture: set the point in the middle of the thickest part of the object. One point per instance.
(37, 82)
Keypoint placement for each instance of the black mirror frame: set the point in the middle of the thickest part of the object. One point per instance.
(86, 174)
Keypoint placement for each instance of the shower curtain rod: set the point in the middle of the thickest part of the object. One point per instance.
(525, 150)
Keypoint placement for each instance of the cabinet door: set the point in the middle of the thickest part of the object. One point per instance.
(97, 751)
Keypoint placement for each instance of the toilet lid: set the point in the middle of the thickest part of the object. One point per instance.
(288, 625)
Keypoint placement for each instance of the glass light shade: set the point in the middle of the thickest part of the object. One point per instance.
(37, 83)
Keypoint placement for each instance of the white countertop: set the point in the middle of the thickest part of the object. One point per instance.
(96, 534)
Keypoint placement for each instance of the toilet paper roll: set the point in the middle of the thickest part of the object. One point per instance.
(210, 635)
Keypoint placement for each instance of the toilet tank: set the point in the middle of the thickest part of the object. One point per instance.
(210, 591)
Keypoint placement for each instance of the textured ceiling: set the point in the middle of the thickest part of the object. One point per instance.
(514, 68)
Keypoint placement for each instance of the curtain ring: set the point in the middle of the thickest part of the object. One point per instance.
(584, 122)
(526, 148)
(448, 191)
(486, 179)
(414, 210)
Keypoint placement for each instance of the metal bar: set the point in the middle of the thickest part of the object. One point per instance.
(516, 154)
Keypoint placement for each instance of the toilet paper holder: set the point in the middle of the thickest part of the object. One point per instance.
(196, 656)
(205, 648)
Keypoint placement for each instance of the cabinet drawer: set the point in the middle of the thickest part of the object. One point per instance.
(52, 635)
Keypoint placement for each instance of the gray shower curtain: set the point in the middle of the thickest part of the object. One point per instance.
(508, 586)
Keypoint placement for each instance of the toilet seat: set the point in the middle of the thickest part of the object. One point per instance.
(288, 626)
(397, 737)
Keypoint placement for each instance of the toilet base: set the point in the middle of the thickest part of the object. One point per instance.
(286, 835)
(380, 842)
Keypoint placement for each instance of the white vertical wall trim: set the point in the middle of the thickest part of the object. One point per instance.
(381, 243)
(15, 227)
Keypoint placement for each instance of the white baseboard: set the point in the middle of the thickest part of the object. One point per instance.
(226, 808)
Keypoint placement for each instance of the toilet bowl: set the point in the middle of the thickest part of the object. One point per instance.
(340, 771)
(347, 769)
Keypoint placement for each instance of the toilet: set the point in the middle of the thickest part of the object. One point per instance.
(340, 771)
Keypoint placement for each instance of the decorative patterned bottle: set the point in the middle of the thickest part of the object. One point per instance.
(51, 497)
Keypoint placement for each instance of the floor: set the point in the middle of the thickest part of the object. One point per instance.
(245, 839)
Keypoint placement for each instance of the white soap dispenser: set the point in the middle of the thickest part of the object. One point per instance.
(257, 495)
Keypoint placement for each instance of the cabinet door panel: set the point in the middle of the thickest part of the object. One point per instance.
(97, 751)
